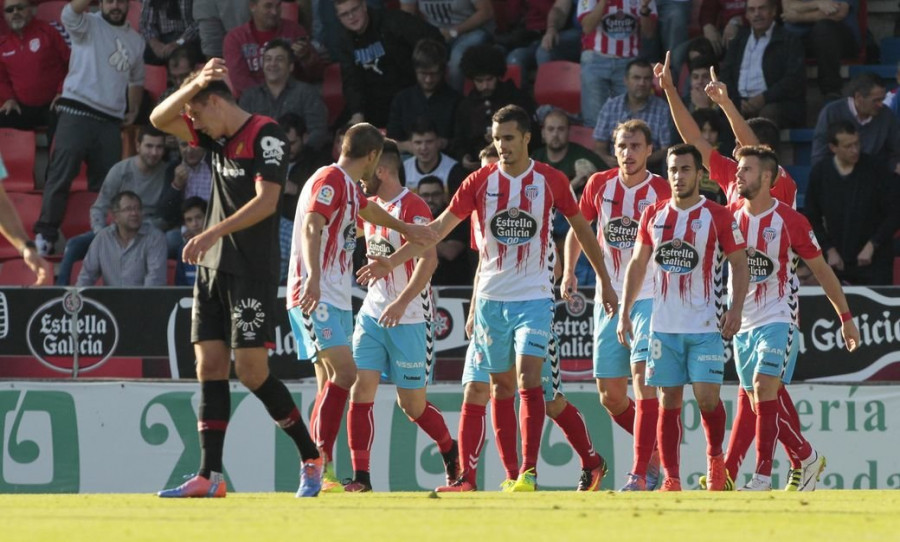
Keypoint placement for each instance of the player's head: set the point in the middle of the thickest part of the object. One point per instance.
(710, 124)
(430, 62)
(18, 13)
(766, 132)
(424, 140)
(757, 170)
(485, 65)
(639, 79)
(511, 133)
(632, 143)
(151, 146)
(193, 211)
(353, 14)
(389, 170)
(683, 163)
(555, 130)
(278, 61)
(363, 142)
(488, 155)
(431, 189)
(115, 12)
(843, 141)
(127, 210)
(295, 128)
(207, 109)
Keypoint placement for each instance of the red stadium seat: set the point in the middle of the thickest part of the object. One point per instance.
(17, 147)
(78, 214)
(333, 92)
(558, 83)
(290, 11)
(50, 11)
(80, 183)
(583, 135)
(15, 273)
(513, 73)
(156, 80)
(29, 208)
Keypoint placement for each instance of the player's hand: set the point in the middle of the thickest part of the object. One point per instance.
(568, 285)
(865, 255)
(10, 106)
(198, 246)
(420, 234)
(715, 89)
(470, 325)
(663, 73)
(624, 330)
(393, 313)
(214, 70)
(41, 267)
(609, 299)
(850, 334)
(378, 268)
(730, 323)
(309, 296)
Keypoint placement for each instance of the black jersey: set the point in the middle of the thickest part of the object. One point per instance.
(257, 151)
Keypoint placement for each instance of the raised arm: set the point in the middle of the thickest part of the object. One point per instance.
(79, 6)
(684, 122)
(167, 115)
(718, 92)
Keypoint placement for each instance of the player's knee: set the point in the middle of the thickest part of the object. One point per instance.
(413, 407)
(707, 402)
(345, 377)
(529, 380)
(612, 399)
(477, 393)
(502, 390)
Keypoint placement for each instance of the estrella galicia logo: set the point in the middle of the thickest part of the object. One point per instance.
(513, 226)
(576, 304)
(72, 325)
(677, 257)
(379, 246)
(350, 237)
(621, 232)
(761, 266)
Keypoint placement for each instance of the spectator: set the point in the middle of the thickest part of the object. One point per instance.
(280, 93)
(720, 21)
(34, 59)
(696, 99)
(430, 97)
(561, 38)
(674, 21)
(128, 252)
(764, 69)
(376, 57)
(638, 102)
(577, 162)
(711, 125)
(879, 133)
(890, 100)
(215, 18)
(830, 32)
(11, 228)
(106, 75)
(454, 266)
(428, 160)
(463, 24)
(245, 44)
(193, 212)
(187, 177)
(612, 37)
(167, 25)
(852, 203)
(145, 175)
(484, 65)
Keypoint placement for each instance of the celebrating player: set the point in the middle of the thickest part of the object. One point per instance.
(511, 204)
(687, 237)
(615, 198)
(237, 278)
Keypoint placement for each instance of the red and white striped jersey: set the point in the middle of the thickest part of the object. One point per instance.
(619, 31)
(381, 241)
(617, 210)
(334, 195)
(723, 171)
(776, 240)
(689, 249)
(511, 219)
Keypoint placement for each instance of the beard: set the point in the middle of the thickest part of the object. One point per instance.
(108, 17)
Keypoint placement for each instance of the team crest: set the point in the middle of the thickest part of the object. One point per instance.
(696, 225)
(643, 204)
(769, 234)
(326, 333)
(532, 191)
(34, 45)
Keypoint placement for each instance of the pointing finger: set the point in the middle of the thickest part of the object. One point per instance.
(712, 74)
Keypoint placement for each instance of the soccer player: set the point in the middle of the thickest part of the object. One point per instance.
(237, 280)
(615, 199)
(511, 204)
(391, 332)
(766, 345)
(319, 277)
(688, 237)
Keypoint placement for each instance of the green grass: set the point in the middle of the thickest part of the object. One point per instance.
(475, 517)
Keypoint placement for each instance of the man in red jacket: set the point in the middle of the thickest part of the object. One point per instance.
(34, 60)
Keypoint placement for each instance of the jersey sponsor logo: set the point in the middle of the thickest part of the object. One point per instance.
(532, 191)
(379, 246)
(248, 317)
(621, 232)
(761, 266)
(325, 195)
(273, 150)
(610, 200)
(620, 25)
(228, 169)
(513, 226)
(494, 194)
(677, 257)
(350, 237)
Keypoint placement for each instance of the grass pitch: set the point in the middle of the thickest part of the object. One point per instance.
(474, 517)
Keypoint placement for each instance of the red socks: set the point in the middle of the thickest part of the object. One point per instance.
(668, 433)
(714, 427)
(625, 419)
(471, 438)
(432, 422)
(743, 431)
(331, 411)
(360, 433)
(571, 422)
(645, 420)
(766, 435)
(505, 432)
(531, 423)
(789, 432)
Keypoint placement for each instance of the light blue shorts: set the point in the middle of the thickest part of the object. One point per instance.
(504, 329)
(550, 377)
(398, 352)
(770, 350)
(611, 359)
(677, 359)
(325, 328)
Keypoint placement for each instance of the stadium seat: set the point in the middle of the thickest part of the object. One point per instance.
(333, 92)
(583, 135)
(18, 150)
(29, 208)
(15, 273)
(156, 80)
(78, 214)
(513, 73)
(890, 51)
(558, 83)
(134, 14)
(887, 72)
(50, 11)
(290, 11)
(801, 141)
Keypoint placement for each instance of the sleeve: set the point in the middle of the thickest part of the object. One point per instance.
(813, 207)
(463, 203)
(326, 196)
(395, 128)
(803, 239)
(455, 178)
(270, 154)
(732, 63)
(792, 86)
(644, 235)
(721, 169)
(238, 71)
(212, 34)
(200, 139)
(563, 196)
(62, 49)
(587, 203)
(137, 74)
(156, 259)
(416, 212)
(147, 22)
(728, 232)
(78, 25)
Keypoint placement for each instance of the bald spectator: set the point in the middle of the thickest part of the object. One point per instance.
(577, 162)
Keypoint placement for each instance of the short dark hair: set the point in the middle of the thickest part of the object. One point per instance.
(637, 62)
(766, 156)
(362, 139)
(513, 113)
(390, 156)
(117, 199)
(840, 127)
(484, 59)
(429, 54)
(292, 120)
(194, 202)
(423, 125)
(218, 88)
(279, 43)
(489, 151)
(864, 83)
(431, 179)
(684, 148)
(148, 130)
(632, 126)
(765, 131)
(702, 63)
(708, 115)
